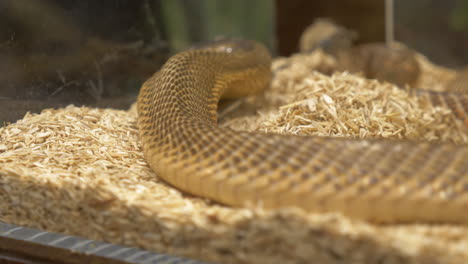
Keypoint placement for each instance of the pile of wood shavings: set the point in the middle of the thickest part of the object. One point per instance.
(347, 105)
(81, 171)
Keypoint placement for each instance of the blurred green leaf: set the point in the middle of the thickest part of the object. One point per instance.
(459, 17)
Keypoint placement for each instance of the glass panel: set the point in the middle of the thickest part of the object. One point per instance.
(97, 53)
(438, 29)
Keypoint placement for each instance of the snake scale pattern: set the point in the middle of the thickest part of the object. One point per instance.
(377, 180)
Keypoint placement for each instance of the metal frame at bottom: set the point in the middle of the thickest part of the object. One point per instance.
(27, 245)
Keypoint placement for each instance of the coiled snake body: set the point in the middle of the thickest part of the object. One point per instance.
(378, 180)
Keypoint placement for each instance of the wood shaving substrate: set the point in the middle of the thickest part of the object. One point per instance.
(81, 171)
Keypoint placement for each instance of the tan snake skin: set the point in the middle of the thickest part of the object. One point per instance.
(376, 180)
(460, 83)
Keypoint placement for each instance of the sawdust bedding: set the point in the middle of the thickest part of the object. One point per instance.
(81, 171)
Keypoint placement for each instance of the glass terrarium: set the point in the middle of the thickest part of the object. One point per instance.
(370, 186)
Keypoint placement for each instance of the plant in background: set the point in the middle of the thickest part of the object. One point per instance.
(458, 20)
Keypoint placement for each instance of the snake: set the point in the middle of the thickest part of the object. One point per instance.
(376, 180)
(459, 83)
